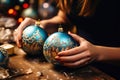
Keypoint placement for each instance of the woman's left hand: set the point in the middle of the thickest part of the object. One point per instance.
(78, 56)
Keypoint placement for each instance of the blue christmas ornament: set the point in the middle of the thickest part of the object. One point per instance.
(55, 43)
(3, 57)
(33, 38)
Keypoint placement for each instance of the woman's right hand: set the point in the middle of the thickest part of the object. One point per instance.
(18, 32)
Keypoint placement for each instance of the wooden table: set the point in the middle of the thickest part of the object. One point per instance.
(23, 67)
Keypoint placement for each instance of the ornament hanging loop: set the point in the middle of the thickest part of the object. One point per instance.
(60, 29)
(37, 22)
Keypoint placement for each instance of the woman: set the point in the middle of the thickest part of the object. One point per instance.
(93, 20)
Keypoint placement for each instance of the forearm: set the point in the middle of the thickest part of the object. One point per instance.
(60, 18)
(108, 53)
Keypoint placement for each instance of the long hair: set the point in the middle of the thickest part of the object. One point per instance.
(85, 7)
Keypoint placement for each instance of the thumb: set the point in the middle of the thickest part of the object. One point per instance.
(76, 37)
(19, 38)
(43, 24)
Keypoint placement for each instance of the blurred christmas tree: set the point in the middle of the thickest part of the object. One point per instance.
(14, 9)
(19, 9)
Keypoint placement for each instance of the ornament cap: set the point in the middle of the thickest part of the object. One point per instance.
(60, 29)
(37, 22)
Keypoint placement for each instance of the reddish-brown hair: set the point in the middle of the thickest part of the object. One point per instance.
(87, 7)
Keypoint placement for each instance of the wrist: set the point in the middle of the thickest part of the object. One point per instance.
(100, 54)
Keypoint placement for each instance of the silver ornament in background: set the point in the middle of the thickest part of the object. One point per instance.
(46, 10)
(29, 12)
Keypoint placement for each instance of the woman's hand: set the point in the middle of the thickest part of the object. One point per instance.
(48, 25)
(18, 32)
(78, 56)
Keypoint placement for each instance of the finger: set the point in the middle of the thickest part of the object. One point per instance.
(72, 58)
(77, 63)
(18, 39)
(14, 36)
(72, 51)
(17, 36)
(26, 22)
(18, 43)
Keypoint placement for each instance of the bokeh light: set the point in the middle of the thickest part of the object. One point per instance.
(25, 5)
(21, 0)
(20, 20)
(17, 7)
(10, 11)
(45, 5)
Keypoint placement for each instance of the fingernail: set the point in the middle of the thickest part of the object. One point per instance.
(59, 54)
(56, 57)
(69, 32)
